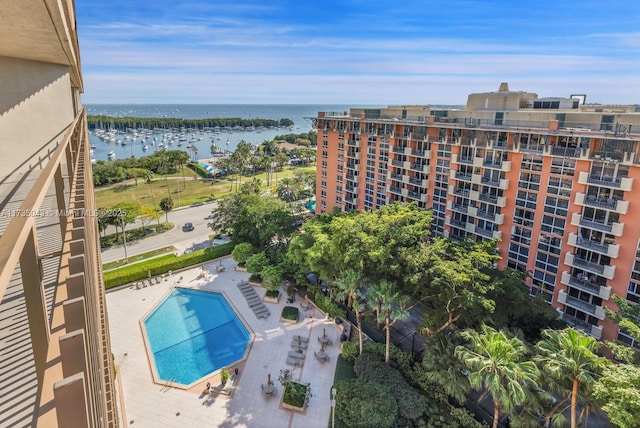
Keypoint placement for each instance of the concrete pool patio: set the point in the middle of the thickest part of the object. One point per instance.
(154, 404)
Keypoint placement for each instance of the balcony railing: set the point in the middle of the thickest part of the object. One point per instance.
(462, 176)
(396, 190)
(587, 307)
(621, 183)
(593, 267)
(565, 152)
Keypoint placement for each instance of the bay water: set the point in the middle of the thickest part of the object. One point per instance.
(300, 114)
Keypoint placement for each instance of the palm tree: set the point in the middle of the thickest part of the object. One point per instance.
(166, 205)
(288, 189)
(149, 179)
(349, 289)
(391, 309)
(252, 187)
(569, 357)
(495, 363)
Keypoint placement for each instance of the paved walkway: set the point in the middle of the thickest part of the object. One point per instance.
(148, 404)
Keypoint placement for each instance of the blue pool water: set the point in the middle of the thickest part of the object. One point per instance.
(311, 205)
(193, 333)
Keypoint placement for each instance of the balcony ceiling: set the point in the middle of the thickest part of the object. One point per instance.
(39, 30)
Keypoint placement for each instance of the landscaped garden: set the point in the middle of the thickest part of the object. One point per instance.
(477, 320)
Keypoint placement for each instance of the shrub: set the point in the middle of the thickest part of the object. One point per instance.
(290, 313)
(295, 394)
(365, 404)
(350, 351)
(257, 262)
(242, 252)
(164, 264)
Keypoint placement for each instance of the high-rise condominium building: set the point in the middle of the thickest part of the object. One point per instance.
(55, 361)
(554, 180)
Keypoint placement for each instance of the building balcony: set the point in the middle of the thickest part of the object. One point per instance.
(353, 165)
(353, 154)
(351, 200)
(464, 209)
(611, 250)
(397, 177)
(466, 160)
(352, 178)
(459, 192)
(351, 189)
(491, 234)
(492, 217)
(581, 305)
(397, 162)
(617, 205)
(422, 197)
(504, 166)
(420, 168)
(396, 190)
(604, 292)
(619, 183)
(570, 152)
(455, 223)
(502, 183)
(398, 149)
(352, 143)
(606, 271)
(418, 182)
(590, 329)
(460, 176)
(500, 201)
(612, 228)
(426, 154)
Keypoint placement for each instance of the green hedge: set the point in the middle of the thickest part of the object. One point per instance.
(163, 264)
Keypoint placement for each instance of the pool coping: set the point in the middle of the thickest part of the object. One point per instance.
(151, 360)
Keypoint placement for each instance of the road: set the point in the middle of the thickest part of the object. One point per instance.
(176, 237)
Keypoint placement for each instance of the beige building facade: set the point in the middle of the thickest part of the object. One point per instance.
(56, 365)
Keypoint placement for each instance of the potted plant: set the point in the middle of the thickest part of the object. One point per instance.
(224, 376)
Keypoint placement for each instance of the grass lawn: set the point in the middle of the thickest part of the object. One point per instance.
(139, 257)
(191, 190)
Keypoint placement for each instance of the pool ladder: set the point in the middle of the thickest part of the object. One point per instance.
(168, 385)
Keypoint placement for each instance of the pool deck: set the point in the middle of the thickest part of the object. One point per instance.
(149, 404)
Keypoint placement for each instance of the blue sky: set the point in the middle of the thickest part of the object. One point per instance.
(356, 52)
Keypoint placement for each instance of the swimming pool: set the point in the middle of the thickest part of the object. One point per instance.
(193, 333)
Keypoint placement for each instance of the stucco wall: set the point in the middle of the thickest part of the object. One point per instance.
(35, 107)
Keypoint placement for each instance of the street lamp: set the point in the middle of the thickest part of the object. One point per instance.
(333, 407)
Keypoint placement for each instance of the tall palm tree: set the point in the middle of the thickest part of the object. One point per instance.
(495, 363)
(149, 179)
(349, 289)
(392, 306)
(569, 357)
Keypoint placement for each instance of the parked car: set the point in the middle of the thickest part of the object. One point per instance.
(188, 227)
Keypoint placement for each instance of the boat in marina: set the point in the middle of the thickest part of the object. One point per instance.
(111, 155)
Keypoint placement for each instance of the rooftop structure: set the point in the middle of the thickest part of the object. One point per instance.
(553, 180)
(56, 365)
